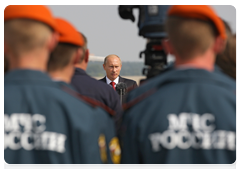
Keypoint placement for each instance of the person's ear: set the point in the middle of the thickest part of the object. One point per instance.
(53, 41)
(86, 56)
(104, 67)
(219, 45)
(77, 55)
(167, 46)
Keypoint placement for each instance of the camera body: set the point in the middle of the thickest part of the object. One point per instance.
(155, 58)
(151, 26)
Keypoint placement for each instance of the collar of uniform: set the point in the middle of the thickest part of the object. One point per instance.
(63, 83)
(79, 71)
(178, 75)
(109, 81)
(26, 76)
(56, 79)
(20, 74)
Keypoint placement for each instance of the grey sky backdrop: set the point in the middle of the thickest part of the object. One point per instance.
(108, 34)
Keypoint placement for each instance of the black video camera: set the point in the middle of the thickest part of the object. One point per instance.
(151, 26)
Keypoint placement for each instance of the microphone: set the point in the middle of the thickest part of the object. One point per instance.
(121, 88)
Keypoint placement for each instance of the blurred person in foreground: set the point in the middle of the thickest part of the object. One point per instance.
(112, 65)
(96, 90)
(188, 114)
(226, 60)
(42, 123)
(225, 63)
(61, 68)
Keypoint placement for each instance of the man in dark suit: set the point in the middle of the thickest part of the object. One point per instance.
(112, 65)
(88, 86)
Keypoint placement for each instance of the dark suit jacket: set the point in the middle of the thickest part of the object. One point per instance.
(131, 84)
(88, 86)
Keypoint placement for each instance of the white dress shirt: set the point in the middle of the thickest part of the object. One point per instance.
(115, 81)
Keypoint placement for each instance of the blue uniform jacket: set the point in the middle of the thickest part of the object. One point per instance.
(44, 124)
(88, 86)
(189, 117)
(148, 86)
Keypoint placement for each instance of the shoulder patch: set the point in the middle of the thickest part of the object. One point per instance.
(115, 150)
(130, 88)
(102, 148)
(138, 99)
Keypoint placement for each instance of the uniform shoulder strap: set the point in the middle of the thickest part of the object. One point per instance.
(94, 103)
(138, 99)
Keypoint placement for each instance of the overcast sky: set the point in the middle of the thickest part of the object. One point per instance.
(108, 34)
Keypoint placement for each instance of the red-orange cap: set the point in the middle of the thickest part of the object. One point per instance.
(68, 34)
(202, 12)
(35, 12)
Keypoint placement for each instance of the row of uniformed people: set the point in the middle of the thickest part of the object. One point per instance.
(46, 121)
(186, 115)
(172, 118)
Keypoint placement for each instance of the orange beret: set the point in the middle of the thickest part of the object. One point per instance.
(202, 12)
(68, 34)
(35, 12)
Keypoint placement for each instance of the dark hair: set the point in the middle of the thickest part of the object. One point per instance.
(84, 48)
(236, 36)
(227, 27)
(61, 56)
(190, 36)
(227, 59)
(6, 65)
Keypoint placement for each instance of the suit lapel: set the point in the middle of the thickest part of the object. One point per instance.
(104, 80)
(121, 79)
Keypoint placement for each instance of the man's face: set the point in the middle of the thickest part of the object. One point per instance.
(113, 67)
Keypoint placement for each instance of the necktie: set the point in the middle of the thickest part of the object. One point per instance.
(113, 84)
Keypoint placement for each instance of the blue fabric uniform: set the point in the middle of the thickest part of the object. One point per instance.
(190, 118)
(147, 87)
(88, 86)
(44, 124)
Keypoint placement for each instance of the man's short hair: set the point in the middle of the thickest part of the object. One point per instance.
(228, 29)
(190, 36)
(61, 56)
(105, 59)
(6, 64)
(227, 59)
(236, 36)
(84, 48)
(24, 35)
